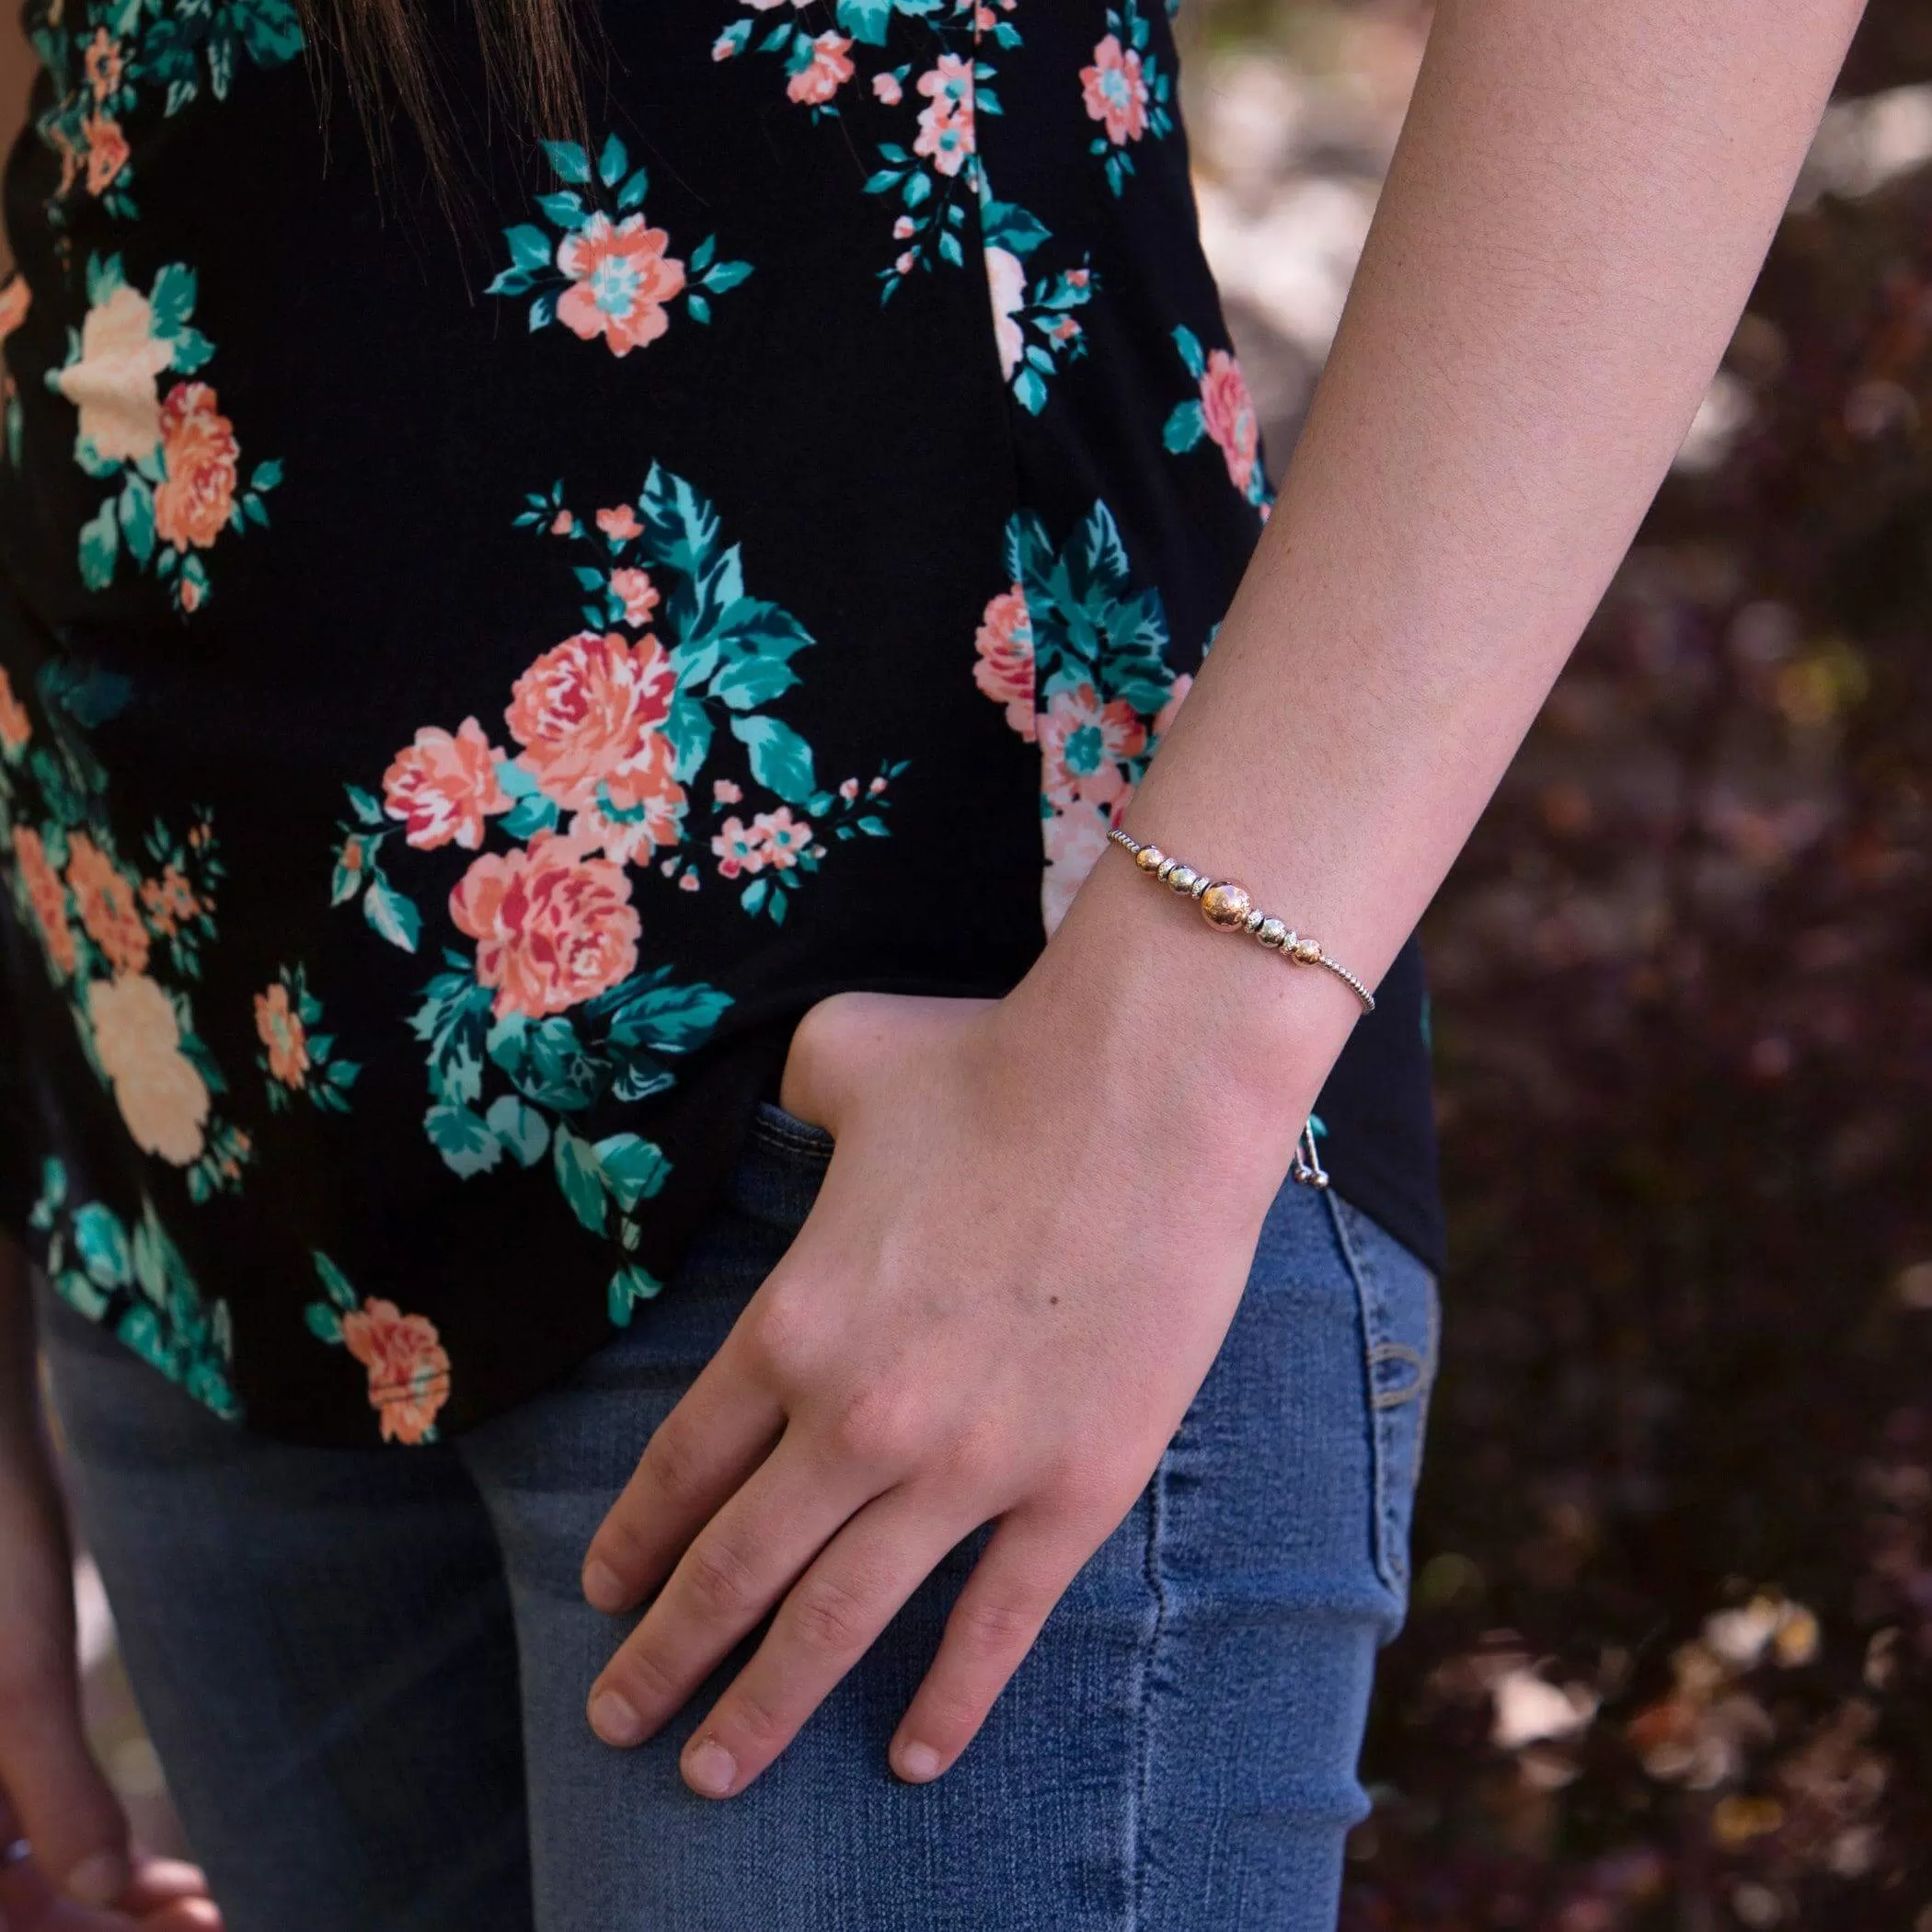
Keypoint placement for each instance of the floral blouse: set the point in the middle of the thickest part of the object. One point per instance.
(466, 687)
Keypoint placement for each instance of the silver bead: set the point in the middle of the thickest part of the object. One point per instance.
(1201, 883)
(1182, 879)
(1255, 919)
(1273, 934)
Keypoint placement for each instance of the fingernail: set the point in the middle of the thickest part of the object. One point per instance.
(99, 1880)
(603, 1588)
(918, 1764)
(613, 1721)
(709, 1769)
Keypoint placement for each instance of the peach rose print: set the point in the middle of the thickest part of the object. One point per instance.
(279, 1026)
(824, 73)
(621, 279)
(1229, 410)
(586, 714)
(1115, 91)
(200, 455)
(108, 904)
(444, 785)
(163, 1099)
(409, 1367)
(552, 927)
(639, 813)
(633, 589)
(1005, 670)
(1082, 744)
(15, 726)
(48, 897)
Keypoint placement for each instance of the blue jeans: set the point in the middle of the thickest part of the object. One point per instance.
(365, 1672)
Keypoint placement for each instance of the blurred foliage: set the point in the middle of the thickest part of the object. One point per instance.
(1669, 1659)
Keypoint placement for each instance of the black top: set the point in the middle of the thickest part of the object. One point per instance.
(464, 694)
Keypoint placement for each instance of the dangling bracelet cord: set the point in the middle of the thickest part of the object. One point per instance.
(1228, 909)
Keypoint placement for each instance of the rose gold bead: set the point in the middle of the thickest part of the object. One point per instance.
(1148, 858)
(1225, 905)
(1308, 951)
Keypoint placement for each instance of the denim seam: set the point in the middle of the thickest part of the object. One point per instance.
(1158, 1589)
(788, 1140)
(1356, 1260)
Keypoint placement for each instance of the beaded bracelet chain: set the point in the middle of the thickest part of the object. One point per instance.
(1228, 909)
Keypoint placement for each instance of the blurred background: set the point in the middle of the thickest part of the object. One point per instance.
(1669, 1663)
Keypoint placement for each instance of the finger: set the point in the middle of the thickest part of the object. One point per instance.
(830, 1618)
(1024, 1572)
(67, 1810)
(741, 1564)
(699, 1456)
(186, 1915)
(163, 1882)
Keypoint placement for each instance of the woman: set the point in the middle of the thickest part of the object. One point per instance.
(540, 753)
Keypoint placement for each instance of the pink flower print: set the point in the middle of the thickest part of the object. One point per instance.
(409, 1367)
(1005, 670)
(946, 132)
(619, 525)
(849, 789)
(101, 62)
(638, 595)
(1074, 842)
(723, 47)
(904, 264)
(688, 883)
(726, 791)
(1164, 717)
(1229, 410)
(886, 88)
(588, 713)
(107, 151)
(783, 836)
(620, 279)
(739, 849)
(902, 228)
(828, 70)
(552, 927)
(15, 726)
(442, 787)
(638, 814)
(1082, 744)
(1115, 91)
(563, 523)
(877, 786)
(1007, 286)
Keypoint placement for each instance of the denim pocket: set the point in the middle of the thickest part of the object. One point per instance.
(788, 1133)
(1400, 1325)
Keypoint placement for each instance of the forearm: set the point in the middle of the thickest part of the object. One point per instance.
(1577, 211)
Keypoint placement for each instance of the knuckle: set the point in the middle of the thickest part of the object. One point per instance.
(675, 1466)
(777, 1338)
(997, 1630)
(829, 1620)
(874, 1428)
(644, 1676)
(721, 1578)
(755, 1717)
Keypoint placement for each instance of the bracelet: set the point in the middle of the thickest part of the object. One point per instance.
(1228, 909)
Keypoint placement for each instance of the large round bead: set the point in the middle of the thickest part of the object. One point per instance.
(1148, 858)
(1182, 879)
(1226, 906)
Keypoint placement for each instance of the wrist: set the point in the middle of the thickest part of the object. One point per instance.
(1217, 1038)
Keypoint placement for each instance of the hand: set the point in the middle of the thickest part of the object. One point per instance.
(53, 1794)
(1031, 1236)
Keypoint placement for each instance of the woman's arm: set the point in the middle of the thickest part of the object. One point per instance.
(1581, 198)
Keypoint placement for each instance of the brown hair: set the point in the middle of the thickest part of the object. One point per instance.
(534, 53)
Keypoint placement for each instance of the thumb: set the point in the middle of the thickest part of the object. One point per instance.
(68, 1811)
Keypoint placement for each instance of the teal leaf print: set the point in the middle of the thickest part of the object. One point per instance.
(132, 1280)
(464, 1139)
(681, 528)
(335, 1283)
(99, 542)
(1184, 428)
(629, 1286)
(135, 511)
(661, 1014)
(323, 1322)
(781, 760)
(521, 1129)
(753, 680)
(392, 915)
(604, 272)
(581, 1179)
(633, 1168)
